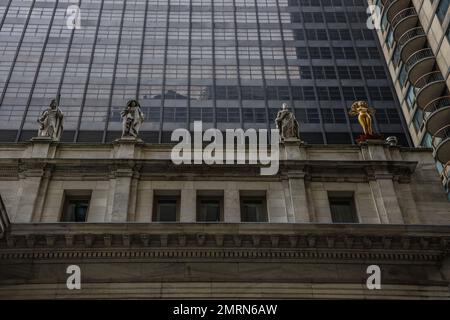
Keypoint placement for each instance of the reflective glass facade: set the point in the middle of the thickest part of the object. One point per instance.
(229, 63)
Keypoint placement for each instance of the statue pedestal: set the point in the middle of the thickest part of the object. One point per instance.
(42, 139)
(125, 147)
(370, 137)
(292, 150)
(41, 146)
(374, 149)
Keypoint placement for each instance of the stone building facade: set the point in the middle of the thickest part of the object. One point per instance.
(282, 236)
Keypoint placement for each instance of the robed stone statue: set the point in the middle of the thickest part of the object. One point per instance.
(132, 119)
(287, 124)
(51, 122)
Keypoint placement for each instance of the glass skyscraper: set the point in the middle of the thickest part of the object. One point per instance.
(229, 63)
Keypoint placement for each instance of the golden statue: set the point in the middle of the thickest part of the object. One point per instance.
(365, 116)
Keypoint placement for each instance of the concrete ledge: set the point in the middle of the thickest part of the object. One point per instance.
(222, 290)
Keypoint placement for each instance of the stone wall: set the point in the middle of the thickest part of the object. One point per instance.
(390, 184)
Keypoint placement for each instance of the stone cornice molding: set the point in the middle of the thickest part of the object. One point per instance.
(395, 243)
(310, 169)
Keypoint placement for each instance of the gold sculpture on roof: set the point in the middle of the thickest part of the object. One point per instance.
(365, 115)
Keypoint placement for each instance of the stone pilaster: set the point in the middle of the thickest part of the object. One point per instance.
(122, 194)
(298, 199)
(188, 205)
(34, 180)
(232, 206)
(30, 195)
(386, 201)
(276, 205)
(124, 202)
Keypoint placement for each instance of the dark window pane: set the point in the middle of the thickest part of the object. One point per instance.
(253, 210)
(342, 210)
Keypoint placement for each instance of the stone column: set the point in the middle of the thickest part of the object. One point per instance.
(298, 199)
(232, 205)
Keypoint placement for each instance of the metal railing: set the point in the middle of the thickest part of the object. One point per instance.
(402, 15)
(434, 105)
(428, 78)
(440, 136)
(418, 56)
(388, 5)
(410, 34)
(445, 176)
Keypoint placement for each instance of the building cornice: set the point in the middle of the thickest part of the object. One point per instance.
(194, 241)
(316, 170)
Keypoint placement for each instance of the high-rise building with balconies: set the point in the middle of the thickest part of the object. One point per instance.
(415, 37)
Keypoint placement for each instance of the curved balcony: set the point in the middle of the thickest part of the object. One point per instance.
(411, 41)
(404, 21)
(428, 88)
(393, 7)
(446, 176)
(441, 144)
(419, 63)
(436, 114)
